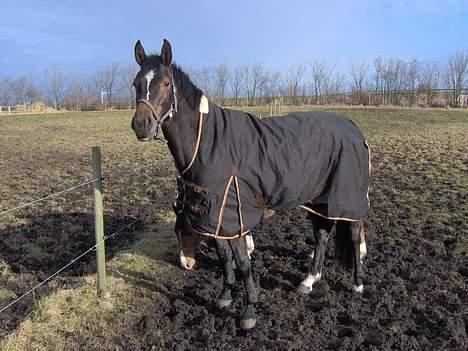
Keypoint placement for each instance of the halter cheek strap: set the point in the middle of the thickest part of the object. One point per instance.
(168, 115)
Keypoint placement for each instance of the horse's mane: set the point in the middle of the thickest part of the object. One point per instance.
(190, 91)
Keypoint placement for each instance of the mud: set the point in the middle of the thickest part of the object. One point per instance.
(412, 297)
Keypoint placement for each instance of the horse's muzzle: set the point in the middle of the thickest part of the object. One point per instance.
(144, 126)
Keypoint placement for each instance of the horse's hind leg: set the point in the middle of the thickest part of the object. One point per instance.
(241, 257)
(225, 256)
(322, 228)
(359, 250)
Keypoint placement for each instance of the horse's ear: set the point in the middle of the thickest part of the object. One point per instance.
(140, 55)
(166, 53)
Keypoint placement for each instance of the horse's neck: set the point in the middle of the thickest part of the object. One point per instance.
(181, 135)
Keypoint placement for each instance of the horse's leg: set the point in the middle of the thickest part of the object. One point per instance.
(225, 256)
(362, 245)
(322, 228)
(239, 249)
(357, 237)
(250, 244)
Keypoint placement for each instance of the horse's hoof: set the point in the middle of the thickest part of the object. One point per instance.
(248, 323)
(359, 288)
(304, 289)
(222, 303)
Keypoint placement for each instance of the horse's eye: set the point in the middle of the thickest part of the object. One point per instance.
(167, 83)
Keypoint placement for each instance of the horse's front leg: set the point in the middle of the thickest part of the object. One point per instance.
(225, 256)
(241, 257)
(322, 228)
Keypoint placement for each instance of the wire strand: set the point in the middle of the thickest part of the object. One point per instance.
(112, 175)
(67, 265)
(48, 196)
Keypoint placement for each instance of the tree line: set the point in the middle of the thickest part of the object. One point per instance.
(383, 81)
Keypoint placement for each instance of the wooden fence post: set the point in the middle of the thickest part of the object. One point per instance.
(99, 223)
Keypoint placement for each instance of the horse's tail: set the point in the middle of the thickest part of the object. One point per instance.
(343, 244)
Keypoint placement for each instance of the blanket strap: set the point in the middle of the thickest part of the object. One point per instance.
(200, 126)
(223, 205)
(239, 206)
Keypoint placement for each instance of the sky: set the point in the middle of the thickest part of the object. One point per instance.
(84, 36)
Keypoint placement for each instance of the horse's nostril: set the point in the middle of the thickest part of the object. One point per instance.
(146, 122)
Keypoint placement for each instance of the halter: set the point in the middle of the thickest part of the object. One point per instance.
(168, 115)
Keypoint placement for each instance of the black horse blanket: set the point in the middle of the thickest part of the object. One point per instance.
(242, 165)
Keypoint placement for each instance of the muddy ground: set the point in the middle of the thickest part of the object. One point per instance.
(415, 295)
(411, 301)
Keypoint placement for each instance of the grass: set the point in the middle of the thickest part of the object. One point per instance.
(419, 165)
(77, 319)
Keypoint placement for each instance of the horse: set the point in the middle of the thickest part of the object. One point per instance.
(235, 168)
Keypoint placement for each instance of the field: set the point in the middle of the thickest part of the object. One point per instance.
(414, 296)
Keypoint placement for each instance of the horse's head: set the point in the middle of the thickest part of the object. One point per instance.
(155, 92)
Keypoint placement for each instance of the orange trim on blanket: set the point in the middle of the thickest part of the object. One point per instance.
(239, 205)
(370, 167)
(223, 205)
(200, 126)
(332, 218)
(237, 236)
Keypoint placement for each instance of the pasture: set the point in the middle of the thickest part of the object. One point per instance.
(415, 283)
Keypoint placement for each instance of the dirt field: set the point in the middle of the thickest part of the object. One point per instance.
(415, 287)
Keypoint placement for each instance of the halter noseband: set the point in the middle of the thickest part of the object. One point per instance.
(168, 115)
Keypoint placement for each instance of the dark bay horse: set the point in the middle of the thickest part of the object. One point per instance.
(234, 168)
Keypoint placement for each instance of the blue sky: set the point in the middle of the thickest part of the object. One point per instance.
(86, 35)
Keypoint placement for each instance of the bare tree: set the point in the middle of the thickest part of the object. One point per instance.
(335, 87)
(322, 73)
(358, 73)
(429, 81)
(271, 84)
(317, 67)
(106, 81)
(128, 74)
(74, 97)
(18, 88)
(32, 93)
(392, 78)
(221, 78)
(6, 96)
(254, 78)
(55, 85)
(456, 74)
(204, 78)
(412, 78)
(237, 80)
(293, 78)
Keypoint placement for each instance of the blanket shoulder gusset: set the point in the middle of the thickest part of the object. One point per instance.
(315, 160)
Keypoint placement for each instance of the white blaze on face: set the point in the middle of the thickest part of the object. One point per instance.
(149, 77)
